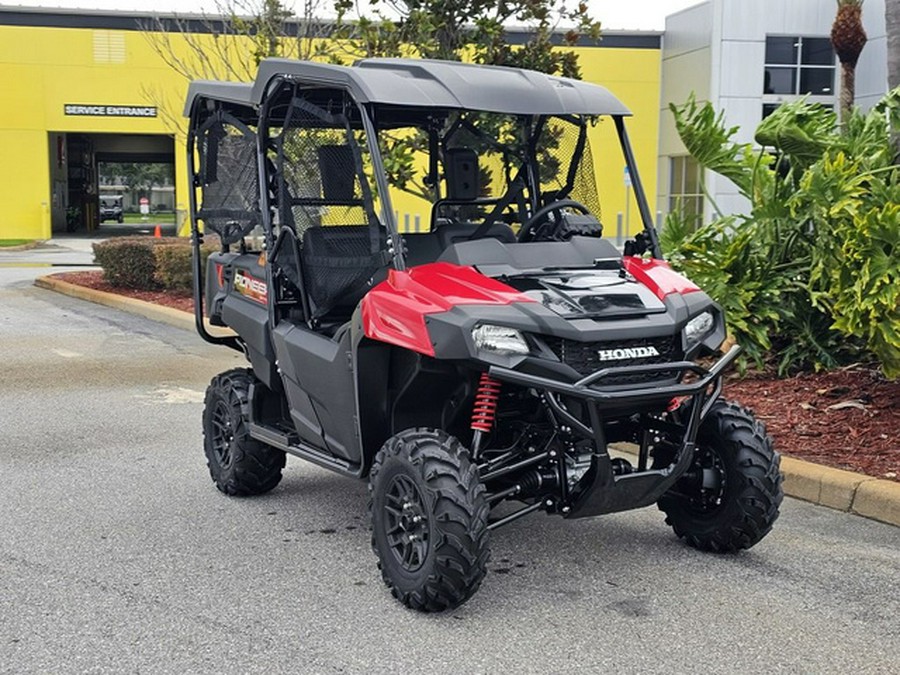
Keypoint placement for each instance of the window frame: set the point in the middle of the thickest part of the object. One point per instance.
(679, 195)
(797, 69)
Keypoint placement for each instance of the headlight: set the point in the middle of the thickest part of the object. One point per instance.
(499, 339)
(697, 328)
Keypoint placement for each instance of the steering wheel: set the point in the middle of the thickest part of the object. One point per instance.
(530, 228)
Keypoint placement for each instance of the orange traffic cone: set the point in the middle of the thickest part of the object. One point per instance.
(157, 232)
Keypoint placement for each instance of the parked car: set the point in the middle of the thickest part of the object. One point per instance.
(111, 209)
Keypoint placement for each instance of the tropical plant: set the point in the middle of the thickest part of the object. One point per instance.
(848, 37)
(811, 275)
(461, 30)
(474, 30)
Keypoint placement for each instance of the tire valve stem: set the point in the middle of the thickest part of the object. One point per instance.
(484, 411)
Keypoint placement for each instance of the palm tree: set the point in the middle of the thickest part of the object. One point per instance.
(848, 37)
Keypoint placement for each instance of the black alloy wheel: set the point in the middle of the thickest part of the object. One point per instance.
(238, 464)
(222, 435)
(408, 530)
(709, 481)
(729, 498)
(429, 520)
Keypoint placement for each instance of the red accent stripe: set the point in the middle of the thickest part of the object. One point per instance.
(658, 276)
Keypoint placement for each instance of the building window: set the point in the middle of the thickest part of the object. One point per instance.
(685, 193)
(798, 66)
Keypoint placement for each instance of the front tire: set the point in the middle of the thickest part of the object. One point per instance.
(238, 464)
(429, 520)
(742, 493)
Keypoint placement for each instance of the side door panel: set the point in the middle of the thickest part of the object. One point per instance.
(318, 378)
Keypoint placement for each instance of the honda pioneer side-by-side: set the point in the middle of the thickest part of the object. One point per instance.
(479, 368)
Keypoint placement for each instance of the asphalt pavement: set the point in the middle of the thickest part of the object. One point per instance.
(117, 554)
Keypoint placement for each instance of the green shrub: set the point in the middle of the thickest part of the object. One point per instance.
(128, 262)
(811, 276)
(148, 263)
(173, 265)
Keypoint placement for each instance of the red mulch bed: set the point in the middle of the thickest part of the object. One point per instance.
(183, 301)
(848, 419)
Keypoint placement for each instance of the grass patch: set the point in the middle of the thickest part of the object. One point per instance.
(152, 219)
(14, 242)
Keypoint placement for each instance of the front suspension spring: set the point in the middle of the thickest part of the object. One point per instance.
(484, 411)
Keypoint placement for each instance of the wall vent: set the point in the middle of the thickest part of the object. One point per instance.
(109, 46)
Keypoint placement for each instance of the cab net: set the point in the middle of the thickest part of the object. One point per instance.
(228, 177)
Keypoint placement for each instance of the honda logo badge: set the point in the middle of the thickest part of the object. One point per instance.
(626, 353)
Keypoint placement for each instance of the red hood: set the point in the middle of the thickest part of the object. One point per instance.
(394, 311)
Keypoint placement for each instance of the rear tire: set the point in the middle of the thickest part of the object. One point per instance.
(429, 520)
(739, 511)
(238, 464)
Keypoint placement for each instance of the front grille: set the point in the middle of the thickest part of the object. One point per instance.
(584, 357)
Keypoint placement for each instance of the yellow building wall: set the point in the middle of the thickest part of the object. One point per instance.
(43, 69)
(633, 76)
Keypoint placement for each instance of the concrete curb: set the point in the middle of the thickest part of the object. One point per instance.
(857, 493)
(148, 310)
(842, 490)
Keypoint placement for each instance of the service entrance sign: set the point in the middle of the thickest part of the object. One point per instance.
(83, 110)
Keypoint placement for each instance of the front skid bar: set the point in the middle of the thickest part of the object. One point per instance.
(603, 491)
(585, 387)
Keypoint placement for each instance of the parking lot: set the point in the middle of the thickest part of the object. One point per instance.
(117, 554)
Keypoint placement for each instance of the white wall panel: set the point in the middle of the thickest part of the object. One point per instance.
(804, 17)
(871, 71)
(688, 30)
(741, 69)
(684, 74)
(669, 142)
(743, 20)
(730, 204)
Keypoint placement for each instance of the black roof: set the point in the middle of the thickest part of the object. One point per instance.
(422, 83)
(450, 85)
(232, 92)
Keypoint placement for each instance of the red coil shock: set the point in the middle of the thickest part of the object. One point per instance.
(485, 409)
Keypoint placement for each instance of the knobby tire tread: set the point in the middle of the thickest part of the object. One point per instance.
(459, 512)
(256, 467)
(752, 505)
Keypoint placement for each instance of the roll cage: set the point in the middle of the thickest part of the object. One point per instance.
(264, 126)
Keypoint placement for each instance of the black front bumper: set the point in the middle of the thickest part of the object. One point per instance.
(601, 490)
